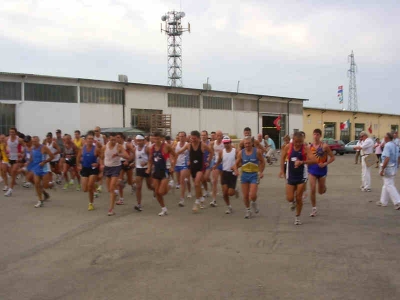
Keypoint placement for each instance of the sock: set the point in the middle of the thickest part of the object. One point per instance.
(314, 208)
(164, 208)
(197, 201)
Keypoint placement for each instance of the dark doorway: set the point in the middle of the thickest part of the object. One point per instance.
(7, 117)
(269, 128)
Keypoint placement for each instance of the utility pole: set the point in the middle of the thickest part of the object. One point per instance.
(351, 73)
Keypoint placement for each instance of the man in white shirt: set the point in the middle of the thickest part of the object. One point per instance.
(366, 148)
(358, 157)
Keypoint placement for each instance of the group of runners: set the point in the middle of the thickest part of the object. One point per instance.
(196, 160)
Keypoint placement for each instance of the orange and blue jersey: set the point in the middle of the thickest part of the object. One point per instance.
(322, 157)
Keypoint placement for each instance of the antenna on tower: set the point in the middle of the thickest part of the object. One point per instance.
(173, 29)
(351, 73)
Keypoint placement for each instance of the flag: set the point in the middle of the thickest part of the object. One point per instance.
(340, 93)
(370, 128)
(277, 123)
(345, 125)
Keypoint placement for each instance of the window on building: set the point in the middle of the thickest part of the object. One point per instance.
(244, 105)
(217, 103)
(329, 130)
(345, 135)
(358, 127)
(7, 117)
(183, 101)
(141, 117)
(50, 93)
(394, 128)
(10, 90)
(101, 96)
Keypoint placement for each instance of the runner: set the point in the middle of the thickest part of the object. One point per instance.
(55, 163)
(142, 153)
(298, 155)
(14, 152)
(127, 166)
(217, 147)
(182, 168)
(5, 163)
(229, 176)
(255, 143)
(41, 158)
(78, 140)
(88, 164)
(253, 163)
(70, 153)
(207, 158)
(60, 143)
(101, 140)
(111, 159)
(28, 167)
(317, 173)
(197, 165)
(158, 157)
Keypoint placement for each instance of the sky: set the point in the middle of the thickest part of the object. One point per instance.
(281, 48)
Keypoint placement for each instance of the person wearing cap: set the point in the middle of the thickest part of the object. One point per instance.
(227, 158)
(253, 163)
(182, 169)
(366, 148)
(142, 153)
(197, 166)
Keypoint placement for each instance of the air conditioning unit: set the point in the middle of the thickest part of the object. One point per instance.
(122, 78)
(207, 86)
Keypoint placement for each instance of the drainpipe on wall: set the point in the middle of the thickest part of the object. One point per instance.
(288, 122)
(123, 107)
(258, 114)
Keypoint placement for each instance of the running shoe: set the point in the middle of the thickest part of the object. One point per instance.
(177, 186)
(255, 207)
(181, 203)
(111, 213)
(171, 183)
(202, 203)
(66, 186)
(314, 212)
(46, 196)
(78, 187)
(39, 204)
(189, 195)
(90, 207)
(120, 202)
(5, 188)
(293, 205)
(397, 206)
(206, 194)
(96, 194)
(163, 213)
(297, 221)
(196, 207)
(213, 203)
(248, 214)
(8, 193)
(379, 203)
(99, 189)
(229, 210)
(138, 207)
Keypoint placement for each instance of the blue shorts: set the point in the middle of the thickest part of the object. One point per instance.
(248, 177)
(318, 172)
(180, 168)
(220, 167)
(212, 163)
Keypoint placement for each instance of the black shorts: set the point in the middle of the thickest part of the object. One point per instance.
(229, 179)
(112, 171)
(54, 163)
(141, 172)
(12, 162)
(71, 161)
(195, 169)
(160, 174)
(86, 172)
(296, 182)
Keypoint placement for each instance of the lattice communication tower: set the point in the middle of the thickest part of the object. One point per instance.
(351, 73)
(174, 30)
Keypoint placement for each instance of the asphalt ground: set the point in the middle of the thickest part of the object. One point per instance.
(62, 251)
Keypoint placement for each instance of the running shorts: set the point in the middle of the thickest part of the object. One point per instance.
(86, 172)
(160, 174)
(229, 179)
(141, 172)
(249, 177)
(112, 171)
(180, 168)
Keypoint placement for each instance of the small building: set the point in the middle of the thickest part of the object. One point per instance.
(329, 121)
(36, 104)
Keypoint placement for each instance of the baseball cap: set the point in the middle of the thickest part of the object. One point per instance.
(226, 139)
(27, 138)
(139, 137)
(58, 131)
(49, 134)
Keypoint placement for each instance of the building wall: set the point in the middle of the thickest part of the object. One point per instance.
(103, 115)
(38, 118)
(380, 124)
(295, 122)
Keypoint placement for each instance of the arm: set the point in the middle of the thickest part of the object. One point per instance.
(150, 163)
(172, 155)
(122, 153)
(283, 157)
(311, 159)
(183, 149)
(261, 159)
(238, 162)
(205, 148)
(331, 159)
(55, 145)
(47, 151)
(78, 160)
(103, 150)
(219, 161)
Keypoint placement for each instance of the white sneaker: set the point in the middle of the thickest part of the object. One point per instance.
(255, 207)
(293, 205)
(178, 187)
(39, 204)
(229, 210)
(181, 203)
(163, 212)
(297, 221)
(189, 195)
(196, 207)
(314, 212)
(248, 214)
(213, 203)
(206, 194)
(8, 193)
(171, 183)
(202, 203)
(5, 188)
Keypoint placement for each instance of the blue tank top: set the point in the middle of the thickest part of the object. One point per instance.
(158, 160)
(250, 163)
(37, 158)
(28, 156)
(206, 153)
(299, 173)
(88, 157)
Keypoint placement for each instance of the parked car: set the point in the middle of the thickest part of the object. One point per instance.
(349, 147)
(337, 146)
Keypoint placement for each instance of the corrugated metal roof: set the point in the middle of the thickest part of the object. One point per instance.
(144, 84)
(355, 112)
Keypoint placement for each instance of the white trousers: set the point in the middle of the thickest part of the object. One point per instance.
(389, 191)
(365, 174)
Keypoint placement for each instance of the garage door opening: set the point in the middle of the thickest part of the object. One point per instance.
(269, 128)
(7, 117)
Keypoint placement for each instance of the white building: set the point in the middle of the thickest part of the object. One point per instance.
(36, 104)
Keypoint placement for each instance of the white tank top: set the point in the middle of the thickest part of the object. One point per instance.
(13, 148)
(228, 159)
(53, 150)
(141, 156)
(99, 139)
(182, 159)
(109, 160)
(217, 149)
(123, 145)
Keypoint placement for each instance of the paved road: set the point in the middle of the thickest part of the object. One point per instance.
(62, 251)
